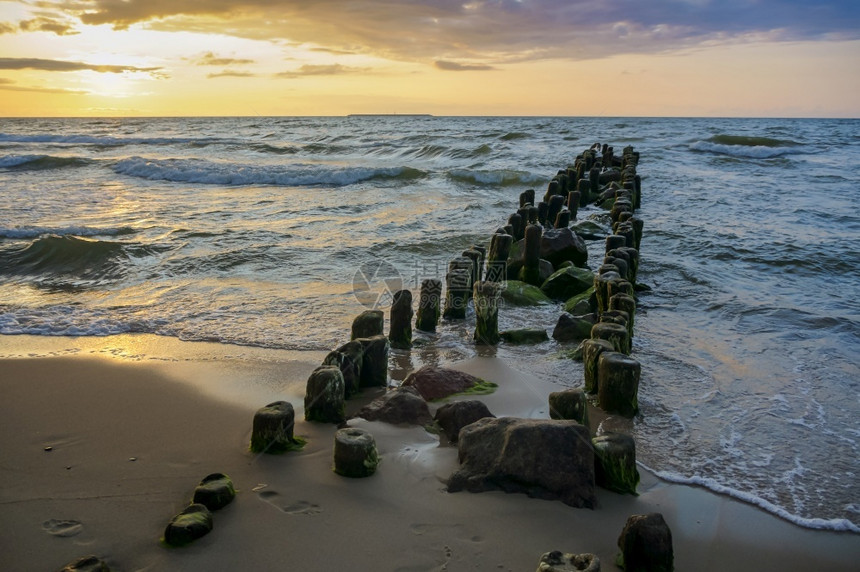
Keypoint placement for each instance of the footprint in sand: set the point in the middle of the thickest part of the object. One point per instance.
(62, 528)
(281, 503)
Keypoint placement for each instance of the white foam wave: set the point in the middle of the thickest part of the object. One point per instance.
(495, 177)
(37, 231)
(746, 151)
(235, 174)
(835, 524)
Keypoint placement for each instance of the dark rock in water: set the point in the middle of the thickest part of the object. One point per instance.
(400, 406)
(374, 363)
(573, 328)
(646, 544)
(215, 491)
(434, 383)
(86, 564)
(582, 303)
(324, 395)
(367, 324)
(400, 331)
(355, 453)
(272, 431)
(569, 404)
(568, 282)
(560, 244)
(453, 416)
(545, 459)
(615, 463)
(192, 523)
(524, 336)
(519, 293)
(618, 383)
(557, 561)
(348, 358)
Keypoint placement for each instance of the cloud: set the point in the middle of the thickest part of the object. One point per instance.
(7, 28)
(67, 66)
(487, 31)
(230, 73)
(9, 85)
(210, 59)
(321, 70)
(454, 66)
(43, 24)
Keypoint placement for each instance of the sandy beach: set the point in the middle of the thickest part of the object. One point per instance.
(98, 453)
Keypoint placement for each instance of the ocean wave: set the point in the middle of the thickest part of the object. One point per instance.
(748, 146)
(36, 231)
(503, 177)
(834, 524)
(234, 174)
(69, 261)
(21, 162)
(105, 141)
(514, 135)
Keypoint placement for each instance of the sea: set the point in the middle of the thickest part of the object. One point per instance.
(275, 232)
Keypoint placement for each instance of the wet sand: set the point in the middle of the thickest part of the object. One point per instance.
(129, 440)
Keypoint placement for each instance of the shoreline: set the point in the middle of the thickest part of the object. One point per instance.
(157, 408)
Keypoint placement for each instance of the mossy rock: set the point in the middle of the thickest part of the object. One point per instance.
(215, 491)
(567, 282)
(524, 336)
(521, 294)
(189, 525)
(572, 302)
(481, 387)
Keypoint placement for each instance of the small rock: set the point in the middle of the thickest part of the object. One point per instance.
(557, 561)
(215, 491)
(86, 564)
(524, 336)
(192, 523)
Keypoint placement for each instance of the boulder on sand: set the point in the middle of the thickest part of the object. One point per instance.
(434, 383)
(543, 458)
(453, 416)
(399, 406)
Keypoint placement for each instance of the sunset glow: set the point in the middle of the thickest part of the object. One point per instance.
(551, 57)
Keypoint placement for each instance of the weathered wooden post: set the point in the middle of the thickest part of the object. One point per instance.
(400, 327)
(618, 383)
(497, 260)
(355, 453)
(272, 430)
(487, 296)
(591, 350)
(615, 334)
(555, 204)
(324, 395)
(562, 219)
(615, 463)
(530, 272)
(429, 305)
(368, 323)
(374, 361)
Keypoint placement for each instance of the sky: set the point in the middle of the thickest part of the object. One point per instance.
(725, 58)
